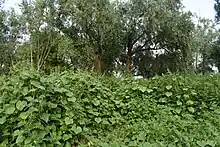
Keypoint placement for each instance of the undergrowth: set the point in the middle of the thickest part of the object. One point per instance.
(81, 109)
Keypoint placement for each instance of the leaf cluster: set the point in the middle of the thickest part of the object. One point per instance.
(83, 109)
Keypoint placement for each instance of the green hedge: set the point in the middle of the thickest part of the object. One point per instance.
(82, 109)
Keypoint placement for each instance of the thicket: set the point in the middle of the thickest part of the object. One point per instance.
(83, 109)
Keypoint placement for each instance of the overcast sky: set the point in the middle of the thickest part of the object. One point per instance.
(203, 8)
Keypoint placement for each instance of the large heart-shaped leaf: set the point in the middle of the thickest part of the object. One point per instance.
(20, 105)
(45, 117)
(98, 120)
(9, 108)
(77, 130)
(68, 121)
(2, 120)
(169, 87)
(168, 94)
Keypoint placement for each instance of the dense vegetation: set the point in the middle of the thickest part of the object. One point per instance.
(84, 109)
(67, 67)
(138, 37)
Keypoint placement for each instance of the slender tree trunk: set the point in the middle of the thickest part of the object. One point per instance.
(129, 54)
(129, 63)
(203, 63)
(32, 57)
(196, 61)
(98, 63)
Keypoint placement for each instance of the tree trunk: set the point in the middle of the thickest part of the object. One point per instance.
(203, 63)
(98, 63)
(129, 63)
(129, 54)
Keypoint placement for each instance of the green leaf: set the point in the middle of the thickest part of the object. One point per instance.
(189, 102)
(68, 121)
(77, 130)
(142, 136)
(150, 90)
(142, 89)
(168, 94)
(68, 144)
(69, 94)
(85, 129)
(132, 143)
(29, 99)
(186, 96)
(52, 105)
(178, 110)
(194, 93)
(2, 120)
(37, 85)
(179, 103)
(105, 122)
(17, 133)
(73, 99)
(201, 143)
(45, 117)
(20, 105)
(191, 109)
(25, 91)
(162, 100)
(169, 87)
(146, 144)
(66, 137)
(20, 139)
(98, 120)
(27, 141)
(217, 111)
(60, 90)
(9, 109)
(24, 115)
(96, 102)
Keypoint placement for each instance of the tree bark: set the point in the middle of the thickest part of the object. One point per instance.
(129, 53)
(129, 63)
(98, 63)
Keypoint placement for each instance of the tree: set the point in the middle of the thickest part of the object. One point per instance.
(43, 49)
(150, 26)
(9, 39)
(145, 37)
(95, 22)
(217, 9)
(204, 36)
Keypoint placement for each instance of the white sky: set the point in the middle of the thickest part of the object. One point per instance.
(203, 8)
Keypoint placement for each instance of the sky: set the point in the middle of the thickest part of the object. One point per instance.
(203, 8)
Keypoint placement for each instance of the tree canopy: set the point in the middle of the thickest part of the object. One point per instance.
(134, 36)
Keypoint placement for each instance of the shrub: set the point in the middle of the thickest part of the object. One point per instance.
(81, 109)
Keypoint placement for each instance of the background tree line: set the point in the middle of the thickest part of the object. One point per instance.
(133, 36)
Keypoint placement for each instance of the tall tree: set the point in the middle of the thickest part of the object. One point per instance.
(204, 38)
(97, 23)
(150, 26)
(9, 38)
(42, 48)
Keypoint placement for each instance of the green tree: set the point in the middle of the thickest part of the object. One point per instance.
(43, 49)
(202, 44)
(95, 22)
(9, 39)
(150, 26)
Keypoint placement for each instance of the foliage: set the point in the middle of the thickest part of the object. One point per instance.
(106, 35)
(9, 38)
(83, 109)
(204, 45)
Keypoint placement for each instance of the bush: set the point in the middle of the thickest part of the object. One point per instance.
(82, 109)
